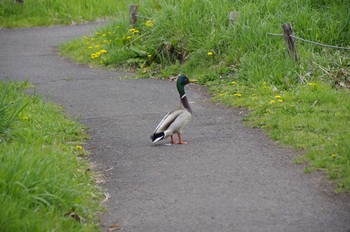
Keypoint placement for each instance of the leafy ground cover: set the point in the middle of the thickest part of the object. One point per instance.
(51, 12)
(304, 104)
(45, 184)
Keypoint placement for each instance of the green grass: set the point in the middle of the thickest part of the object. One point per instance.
(43, 177)
(51, 12)
(311, 110)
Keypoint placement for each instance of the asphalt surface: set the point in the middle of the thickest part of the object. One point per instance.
(228, 178)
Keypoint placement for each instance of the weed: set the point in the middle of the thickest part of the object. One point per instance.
(41, 177)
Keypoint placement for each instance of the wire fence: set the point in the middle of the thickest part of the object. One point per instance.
(287, 28)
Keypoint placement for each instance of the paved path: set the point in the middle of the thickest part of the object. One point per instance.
(228, 178)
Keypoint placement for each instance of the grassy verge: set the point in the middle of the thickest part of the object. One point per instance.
(305, 104)
(51, 12)
(312, 117)
(45, 185)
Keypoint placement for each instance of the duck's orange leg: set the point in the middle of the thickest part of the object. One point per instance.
(172, 139)
(180, 139)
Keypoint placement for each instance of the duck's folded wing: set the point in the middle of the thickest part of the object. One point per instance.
(180, 121)
(168, 119)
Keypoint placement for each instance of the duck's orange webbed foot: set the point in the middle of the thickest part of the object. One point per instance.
(180, 140)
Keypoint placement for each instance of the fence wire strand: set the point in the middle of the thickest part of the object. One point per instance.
(312, 42)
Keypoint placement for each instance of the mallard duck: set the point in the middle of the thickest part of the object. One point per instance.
(175, 120)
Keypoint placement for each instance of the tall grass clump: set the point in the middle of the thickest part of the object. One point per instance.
(44, 183)
(9, 110)
(50, 12)
(304, 104)
(196, 38)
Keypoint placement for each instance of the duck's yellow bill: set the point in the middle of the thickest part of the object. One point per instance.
(193, 81)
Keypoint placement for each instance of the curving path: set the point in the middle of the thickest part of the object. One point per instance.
(228, 178)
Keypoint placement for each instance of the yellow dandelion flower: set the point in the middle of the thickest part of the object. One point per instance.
(103, 51)
(333, 155)
(78, 147)
(104, 35)
(272, 101)
(278, 97)
(90, 47)
(233, 82)
(149, 55)
(149, 23)
(93, 56)
(237, 95)
(280, 100)
(134, 31)
(210, 53)
(311, 84)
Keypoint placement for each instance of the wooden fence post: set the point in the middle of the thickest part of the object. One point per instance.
(288, 34)
(232, 17)
(133, 14)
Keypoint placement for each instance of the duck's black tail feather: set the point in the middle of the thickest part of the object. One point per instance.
(157, 136)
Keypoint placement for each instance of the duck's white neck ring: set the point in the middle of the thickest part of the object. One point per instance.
(183, 96)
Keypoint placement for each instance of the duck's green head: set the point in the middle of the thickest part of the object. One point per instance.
(181, 82)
